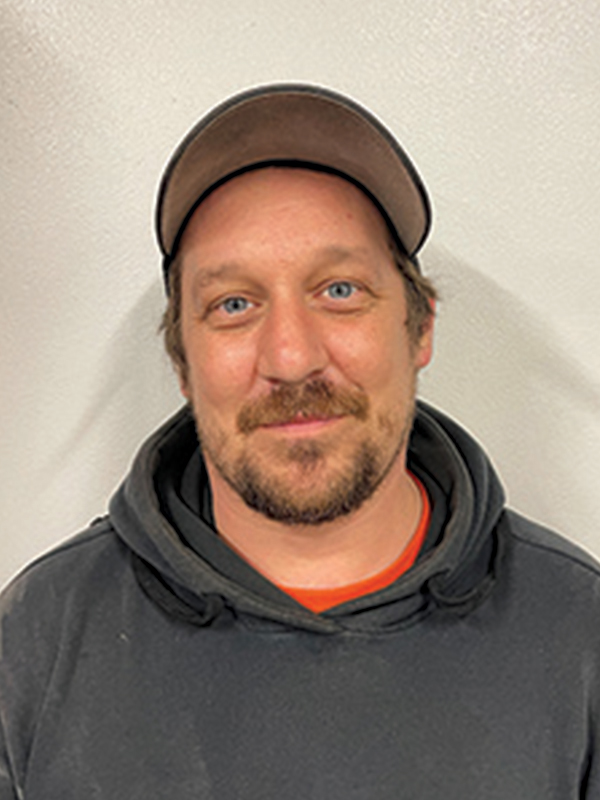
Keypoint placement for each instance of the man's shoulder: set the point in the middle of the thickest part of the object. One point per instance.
(553, 577)
(550, 546)
(80, 563)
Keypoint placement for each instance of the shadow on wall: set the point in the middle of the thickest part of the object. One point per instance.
(485, 331)
(508, 374)
(136, 388)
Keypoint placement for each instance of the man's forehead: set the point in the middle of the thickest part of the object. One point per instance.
(295, 214)
(276, 189)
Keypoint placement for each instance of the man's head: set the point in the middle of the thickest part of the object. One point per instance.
(297, 324)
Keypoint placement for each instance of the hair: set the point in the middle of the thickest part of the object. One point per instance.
(421, 295)
(170, 325)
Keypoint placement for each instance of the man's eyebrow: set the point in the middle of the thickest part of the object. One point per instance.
(336, 254)
(331, 255)
(210, 275)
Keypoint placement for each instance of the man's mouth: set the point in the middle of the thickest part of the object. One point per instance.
(303, 420)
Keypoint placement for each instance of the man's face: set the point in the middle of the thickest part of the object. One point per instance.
(301, 372)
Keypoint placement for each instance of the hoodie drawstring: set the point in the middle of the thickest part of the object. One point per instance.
(437, 586)
(154, 587)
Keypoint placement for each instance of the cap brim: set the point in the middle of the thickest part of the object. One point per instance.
(293, 123)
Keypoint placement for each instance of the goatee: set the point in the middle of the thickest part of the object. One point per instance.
(346, 489)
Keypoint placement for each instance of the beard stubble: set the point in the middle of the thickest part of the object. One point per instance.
(344, 492)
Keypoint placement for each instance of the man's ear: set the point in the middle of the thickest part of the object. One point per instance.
(184, 385)
(424, 350)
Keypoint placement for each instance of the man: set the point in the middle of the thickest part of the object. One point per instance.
(307, 586)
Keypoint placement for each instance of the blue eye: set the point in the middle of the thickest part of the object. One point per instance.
(341, 290)
(235, 305)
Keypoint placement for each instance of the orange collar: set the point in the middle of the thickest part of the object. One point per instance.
(321, 599)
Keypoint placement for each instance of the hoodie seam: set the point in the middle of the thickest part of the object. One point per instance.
(580, 561)
(71, 544)
(348, 633)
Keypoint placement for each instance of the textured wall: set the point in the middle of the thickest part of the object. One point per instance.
(498, 101)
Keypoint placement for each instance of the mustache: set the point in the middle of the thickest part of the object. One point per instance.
(287, 402)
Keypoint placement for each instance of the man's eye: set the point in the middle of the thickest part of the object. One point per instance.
(235, 305)
(340, 290)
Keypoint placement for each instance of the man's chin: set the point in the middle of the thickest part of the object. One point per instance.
(304, 467)
(311, 490)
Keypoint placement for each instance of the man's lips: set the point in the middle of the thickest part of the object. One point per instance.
(303, 422)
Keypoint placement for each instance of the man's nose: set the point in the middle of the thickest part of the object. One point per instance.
(291, 347)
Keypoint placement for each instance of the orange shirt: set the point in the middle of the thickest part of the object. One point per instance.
(321, 599)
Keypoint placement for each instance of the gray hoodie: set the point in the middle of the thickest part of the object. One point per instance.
(144, 659)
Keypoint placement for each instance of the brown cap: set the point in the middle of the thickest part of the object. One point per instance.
(294, 125)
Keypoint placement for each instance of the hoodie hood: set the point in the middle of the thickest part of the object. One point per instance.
(455, 575)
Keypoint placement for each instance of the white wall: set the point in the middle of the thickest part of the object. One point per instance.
(498, 101)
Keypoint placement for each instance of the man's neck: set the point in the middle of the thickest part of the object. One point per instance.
(332, 554)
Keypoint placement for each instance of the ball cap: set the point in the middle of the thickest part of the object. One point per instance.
(294, 125)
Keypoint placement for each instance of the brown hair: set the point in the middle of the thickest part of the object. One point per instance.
(170, 325)
(421, 295)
